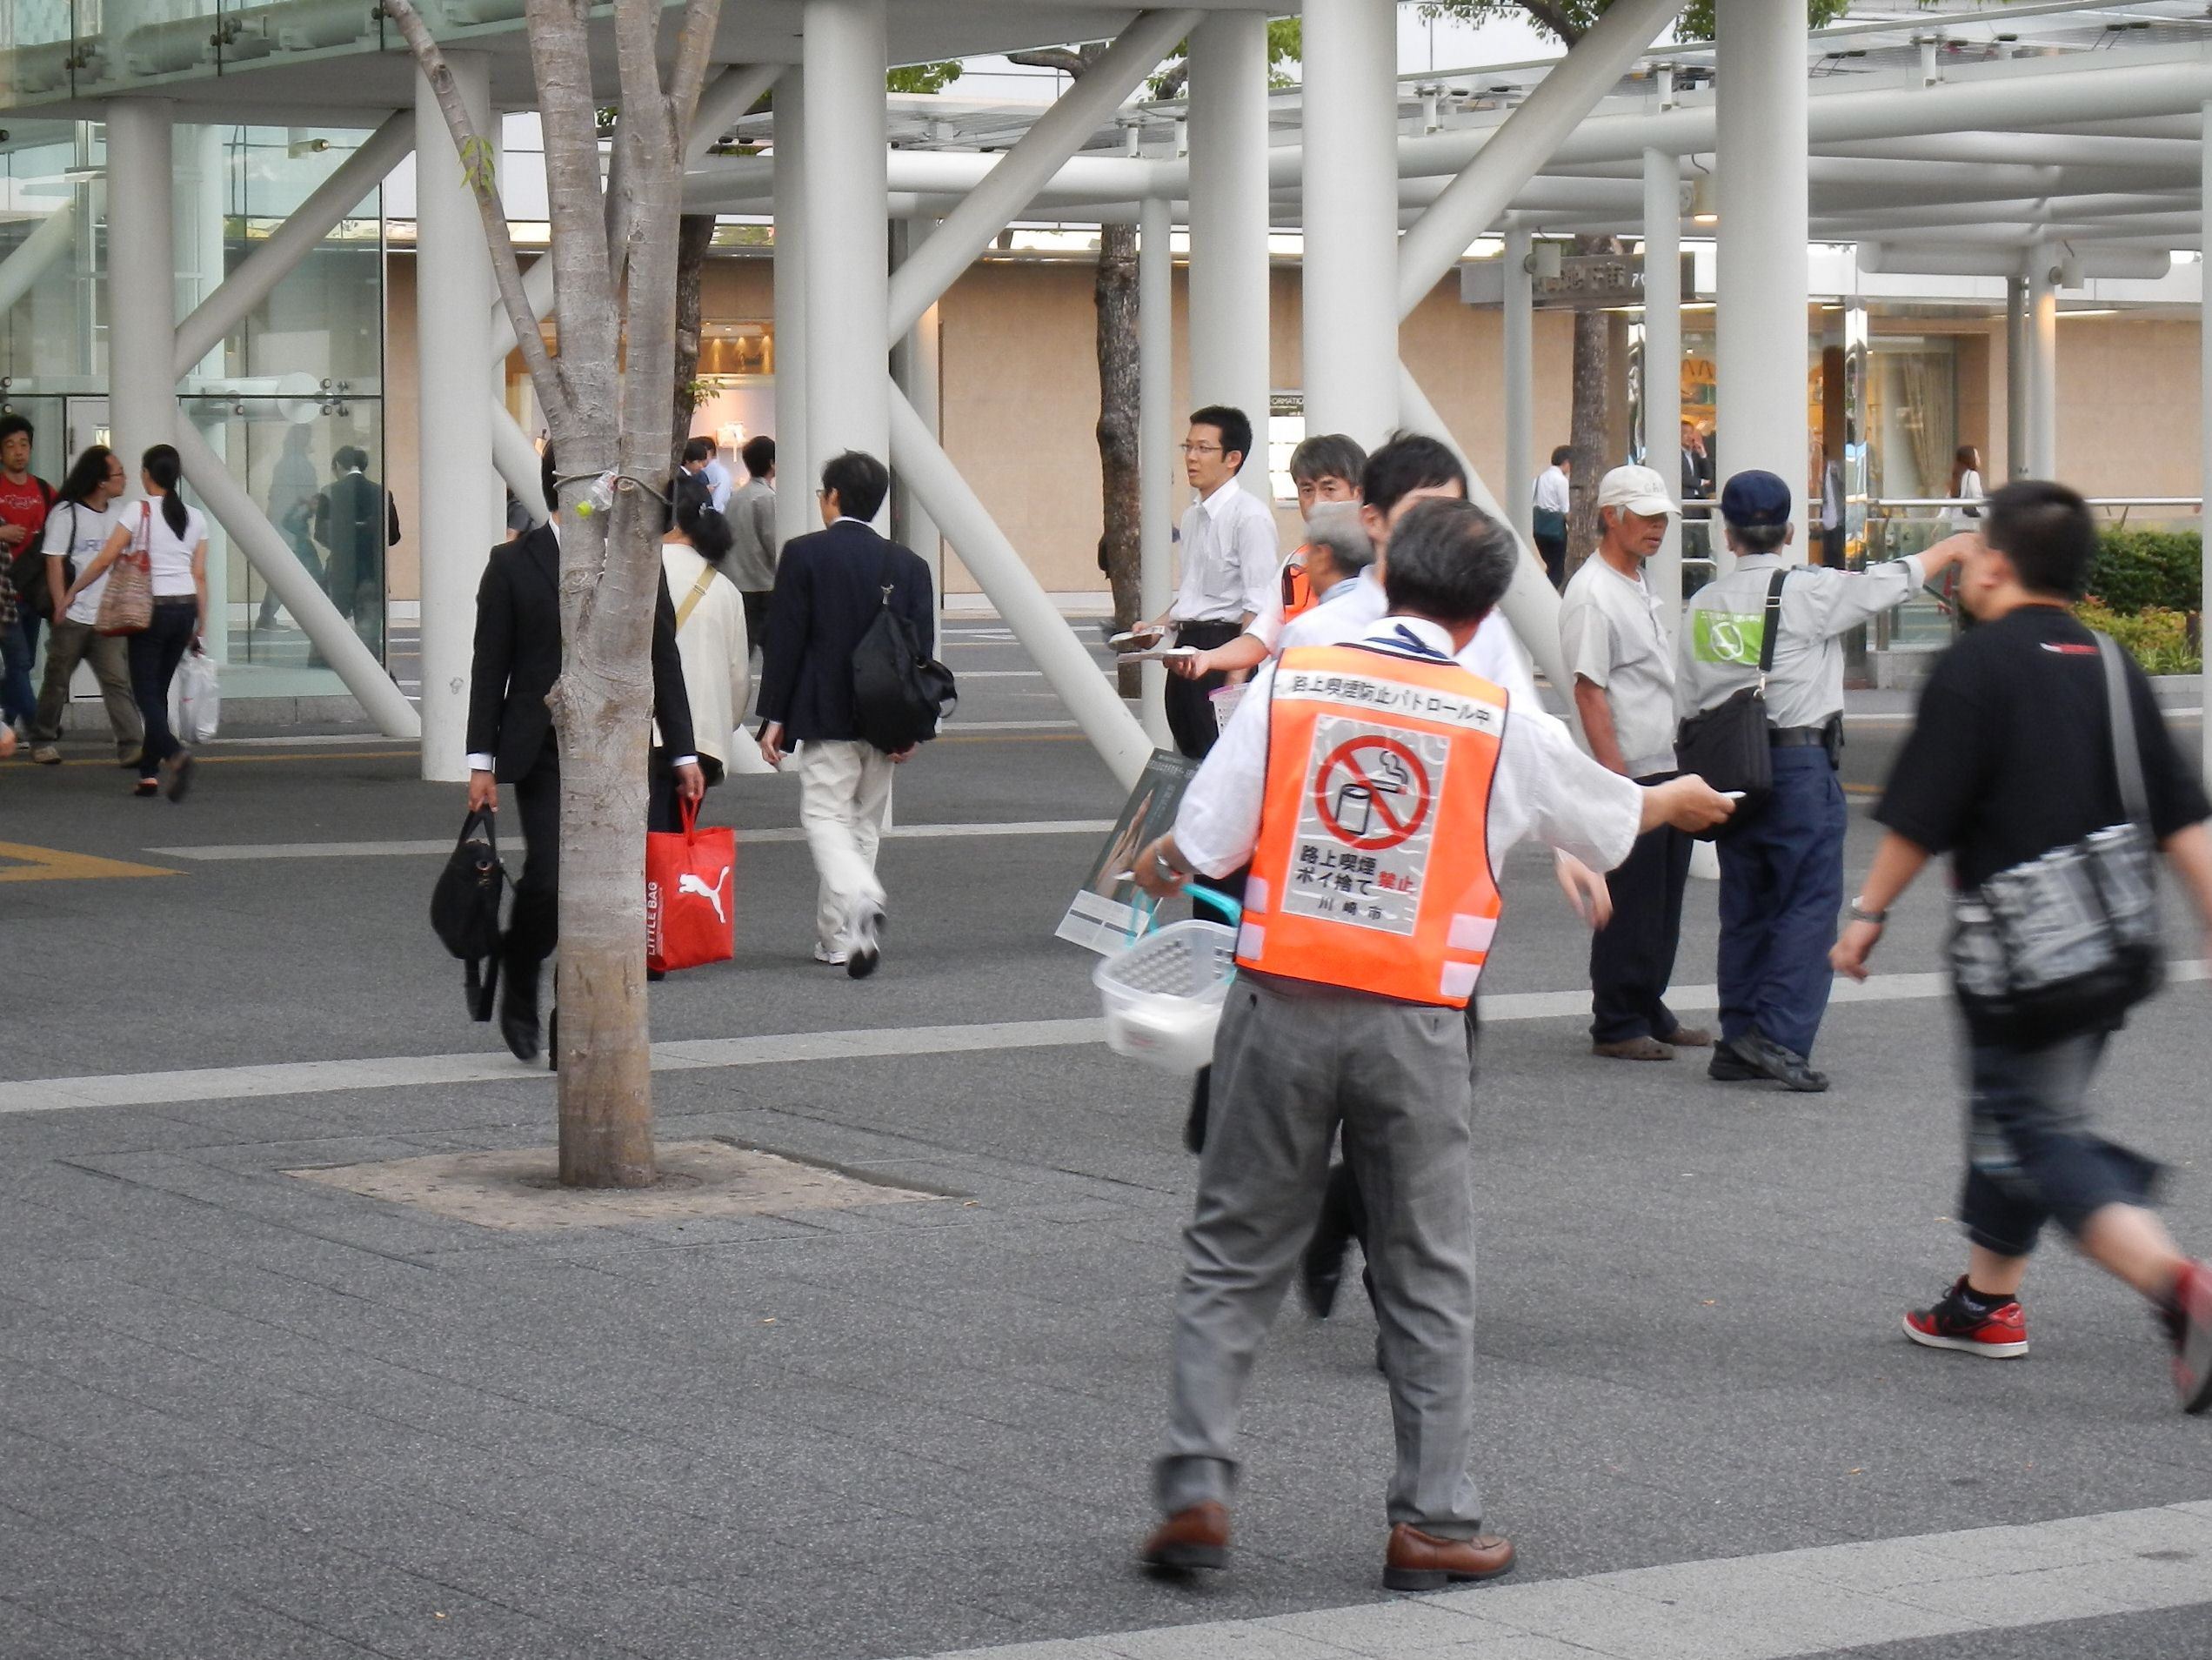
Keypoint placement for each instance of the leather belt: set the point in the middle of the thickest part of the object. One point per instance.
(1798, 737)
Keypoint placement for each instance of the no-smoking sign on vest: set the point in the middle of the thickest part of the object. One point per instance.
(1365, 824)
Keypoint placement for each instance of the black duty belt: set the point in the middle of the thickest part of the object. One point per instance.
(1206, 635)
(1799, 736)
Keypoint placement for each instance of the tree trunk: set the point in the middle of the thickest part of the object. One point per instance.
(1120, 461)
(694, 235)
(1592, 382)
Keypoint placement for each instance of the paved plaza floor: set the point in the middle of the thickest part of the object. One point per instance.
(243, 1413)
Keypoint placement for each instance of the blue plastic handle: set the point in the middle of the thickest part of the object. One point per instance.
(1147, 909)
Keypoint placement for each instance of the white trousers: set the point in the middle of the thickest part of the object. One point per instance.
(844, 789)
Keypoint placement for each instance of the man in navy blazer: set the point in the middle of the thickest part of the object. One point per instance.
(829, 587)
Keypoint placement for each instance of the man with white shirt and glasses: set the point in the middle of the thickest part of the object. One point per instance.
(1611, 633)
(1229, 567)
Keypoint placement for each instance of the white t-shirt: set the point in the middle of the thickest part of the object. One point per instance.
(75, 530)
(171, 553)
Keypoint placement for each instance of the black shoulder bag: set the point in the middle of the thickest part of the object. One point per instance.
(465, 909)
(27, 571)
(898, 693)
(1727, 745)
(2069, 942)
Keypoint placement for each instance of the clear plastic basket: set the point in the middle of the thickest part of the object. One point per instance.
(1163, 995)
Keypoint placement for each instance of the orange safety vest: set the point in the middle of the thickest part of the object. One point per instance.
(1298, 597)
(1373, 866)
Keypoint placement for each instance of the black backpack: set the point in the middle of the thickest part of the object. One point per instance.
(898, 692)
(465, 909)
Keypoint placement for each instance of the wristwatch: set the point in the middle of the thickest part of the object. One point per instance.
(1859, 914)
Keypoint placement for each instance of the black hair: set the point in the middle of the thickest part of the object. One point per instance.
(1234, 426)
(87, 473)
(11, 424)
(1562, 454)
(1328, 455)
(860, 482)
(698, 448)
(166, 468)
(758, 455)
(1410, 461)
(2046, 531)
(1449, 561)
(691, 509)
(1758, 539)
(351, 455)
(548, 480)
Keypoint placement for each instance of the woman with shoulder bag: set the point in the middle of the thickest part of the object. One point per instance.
(82, 520)
(169, 540)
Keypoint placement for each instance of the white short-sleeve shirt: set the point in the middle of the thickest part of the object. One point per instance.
(1610, 632)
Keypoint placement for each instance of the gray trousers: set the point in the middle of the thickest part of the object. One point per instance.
(69, 644)
(1290, 1063)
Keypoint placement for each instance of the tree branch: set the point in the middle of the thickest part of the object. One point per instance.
(688, 77)
(561, 63)
(477, 168)
(1066, 60)
(1554, 18)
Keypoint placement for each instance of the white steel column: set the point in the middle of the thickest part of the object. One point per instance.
(848, 291)
(2042, 363)
(197, 204)
(1520, 380)
(1663, 358)
(1351, 218)
(795, 471)
(1761, 420)
(1230, 280)
(2204, 436)
(2016, 377)
(142, 279)
(1156, 435)
(916, 370)
(453, 297)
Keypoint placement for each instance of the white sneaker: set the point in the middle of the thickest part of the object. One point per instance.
(866, 936)
(835, 958)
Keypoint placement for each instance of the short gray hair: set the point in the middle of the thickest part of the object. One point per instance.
(1335, 525)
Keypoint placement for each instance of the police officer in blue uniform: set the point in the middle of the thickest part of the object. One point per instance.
(1781, 872)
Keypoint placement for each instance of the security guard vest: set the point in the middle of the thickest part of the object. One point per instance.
(1373, 866)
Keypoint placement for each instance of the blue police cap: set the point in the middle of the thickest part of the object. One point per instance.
(1755, 498)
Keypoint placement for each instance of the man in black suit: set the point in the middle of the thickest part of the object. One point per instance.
(829, 587)
(511, 740)
(356, 519)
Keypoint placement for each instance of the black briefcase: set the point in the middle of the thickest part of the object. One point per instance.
(1728, 745)
(465, 910)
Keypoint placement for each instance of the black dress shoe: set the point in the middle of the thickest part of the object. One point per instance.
(1727, 1067)
(518, 1008)
(1785, 1067)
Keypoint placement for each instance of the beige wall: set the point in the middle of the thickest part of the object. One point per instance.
(1020, 399)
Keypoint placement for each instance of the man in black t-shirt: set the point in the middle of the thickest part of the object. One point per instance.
(2012, 758)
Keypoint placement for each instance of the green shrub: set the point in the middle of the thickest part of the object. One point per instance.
(2155, 636)
(2136, 569)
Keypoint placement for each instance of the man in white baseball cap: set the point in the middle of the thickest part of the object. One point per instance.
(1615, 638)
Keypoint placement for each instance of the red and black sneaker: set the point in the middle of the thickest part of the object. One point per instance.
(2188, 1323)
(1999, 1333)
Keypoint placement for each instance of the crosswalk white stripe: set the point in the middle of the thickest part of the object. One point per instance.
(392, 1072)
(1770, 1607)
(222, 851)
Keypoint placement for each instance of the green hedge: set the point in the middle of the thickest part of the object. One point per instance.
(2140, 570)
(2157, 638)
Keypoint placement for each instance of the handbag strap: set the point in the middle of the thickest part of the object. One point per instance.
(691, 600)
(889, 572)
(688, 811)
(475, 821)
(1770, 634)
(2126, 756)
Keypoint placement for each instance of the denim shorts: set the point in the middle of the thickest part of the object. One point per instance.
(2031, 1156)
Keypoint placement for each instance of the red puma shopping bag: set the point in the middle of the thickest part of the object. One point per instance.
(691, 895)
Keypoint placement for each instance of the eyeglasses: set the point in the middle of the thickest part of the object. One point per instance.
(1203, 449)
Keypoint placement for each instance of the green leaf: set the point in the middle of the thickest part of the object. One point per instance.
(922, 77)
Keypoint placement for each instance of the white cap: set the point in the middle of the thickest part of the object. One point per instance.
(1638, 489)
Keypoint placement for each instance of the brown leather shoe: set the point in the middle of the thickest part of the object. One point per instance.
(1635, 1048)
(1197, 1538)
(1687, 1037)
(1421, 1562)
